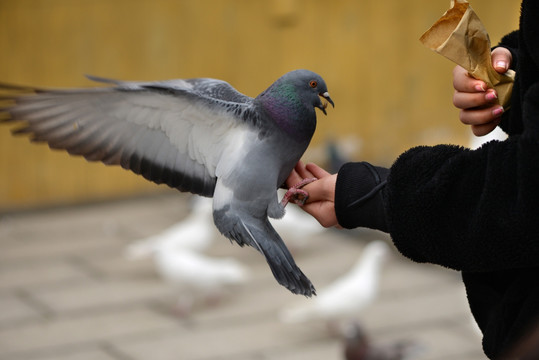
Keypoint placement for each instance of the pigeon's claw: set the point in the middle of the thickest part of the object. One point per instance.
(296, 194)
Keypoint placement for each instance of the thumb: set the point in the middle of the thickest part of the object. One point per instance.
(501, 59)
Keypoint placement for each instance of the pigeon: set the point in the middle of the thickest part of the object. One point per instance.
(358, 346)
(195, 233)
(195, 275)
(347, 295)
(197, 135)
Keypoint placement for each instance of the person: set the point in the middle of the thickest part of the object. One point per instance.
(475, 211)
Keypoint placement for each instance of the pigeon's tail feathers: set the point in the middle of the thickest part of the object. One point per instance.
(260, 235)
(266, 240)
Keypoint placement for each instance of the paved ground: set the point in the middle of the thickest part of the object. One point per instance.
(68, 292)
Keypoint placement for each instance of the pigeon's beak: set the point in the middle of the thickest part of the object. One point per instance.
(323, 106)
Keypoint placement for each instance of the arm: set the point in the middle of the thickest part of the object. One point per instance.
(463, 209)
(467, 210)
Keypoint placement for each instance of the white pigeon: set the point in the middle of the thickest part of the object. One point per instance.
(197, 276)
(348, 295)
(195, 232)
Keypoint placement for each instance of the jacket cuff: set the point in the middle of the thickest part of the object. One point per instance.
(359, 196)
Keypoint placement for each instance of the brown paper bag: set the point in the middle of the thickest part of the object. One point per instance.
(460, 36)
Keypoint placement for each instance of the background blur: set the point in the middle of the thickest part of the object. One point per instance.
(391, 93)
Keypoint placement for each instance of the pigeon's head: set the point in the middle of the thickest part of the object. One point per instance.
(298, 90)
(311, 88)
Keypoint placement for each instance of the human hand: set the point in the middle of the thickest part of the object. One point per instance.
(320, 203)
(477, 104)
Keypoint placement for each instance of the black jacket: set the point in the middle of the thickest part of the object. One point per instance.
(477, 211)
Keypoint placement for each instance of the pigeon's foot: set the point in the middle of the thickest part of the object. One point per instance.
(296, 194)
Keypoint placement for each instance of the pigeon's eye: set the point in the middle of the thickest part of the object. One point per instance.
(313, 84)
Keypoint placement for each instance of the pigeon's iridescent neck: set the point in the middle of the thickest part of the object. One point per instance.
(284, 106)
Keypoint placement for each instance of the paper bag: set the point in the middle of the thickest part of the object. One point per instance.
(460, 36)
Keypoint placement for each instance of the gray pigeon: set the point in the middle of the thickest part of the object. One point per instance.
(197, 135)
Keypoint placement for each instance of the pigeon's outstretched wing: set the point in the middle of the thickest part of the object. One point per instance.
(170, 132)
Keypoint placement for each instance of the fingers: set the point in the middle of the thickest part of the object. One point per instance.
(467, 100)
(501, 59)
(484, 129)
(303, 171)
(316, 171)
(463, 82)
(299, 173)
(322, 189)
(479, 105)
(292, 179)
(481, 116)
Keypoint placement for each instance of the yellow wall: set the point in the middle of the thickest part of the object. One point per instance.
(390, 91)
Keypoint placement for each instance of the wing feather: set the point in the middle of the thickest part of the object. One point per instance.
(170, 132)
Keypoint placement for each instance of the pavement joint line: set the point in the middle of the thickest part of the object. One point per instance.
(57, 350)
(85, 267)
(109, 349)
(27, 298)
(84, 345)
(99, 309)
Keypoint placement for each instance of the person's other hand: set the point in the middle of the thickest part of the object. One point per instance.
(478, 105)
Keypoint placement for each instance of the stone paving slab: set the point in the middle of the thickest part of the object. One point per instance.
(50, 334)
(72, 294)
(15, 309)
(224, 341)
(85, 296)
(28, 275)
(94, 354)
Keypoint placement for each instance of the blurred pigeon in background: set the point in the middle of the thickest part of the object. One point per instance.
(195, 233)
(196, 276)
(347, 296)
(197, 135)
(358, 346)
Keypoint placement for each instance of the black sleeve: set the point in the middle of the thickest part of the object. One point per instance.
(470, 210)
(359, 196)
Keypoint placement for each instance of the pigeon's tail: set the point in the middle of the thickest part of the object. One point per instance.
(269, 243)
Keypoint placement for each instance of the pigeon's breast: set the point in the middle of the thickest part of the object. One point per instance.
(292, 118)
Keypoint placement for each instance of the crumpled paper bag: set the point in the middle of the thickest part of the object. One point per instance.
(460, 36)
